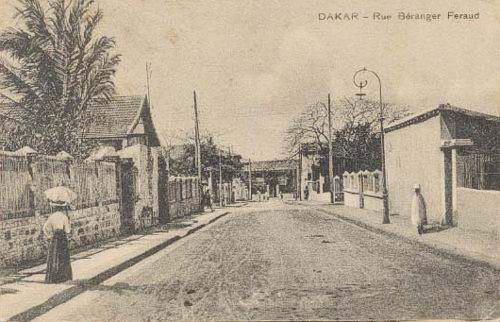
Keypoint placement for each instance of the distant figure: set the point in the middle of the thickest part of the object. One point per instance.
(259, 196)
(281, 196)
(418, 210)
(56, 230)
(306, 193)
(207, 200)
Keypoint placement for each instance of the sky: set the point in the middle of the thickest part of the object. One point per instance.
(256, 64)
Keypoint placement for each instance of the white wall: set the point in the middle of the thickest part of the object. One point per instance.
(413, 155)
(479, 210)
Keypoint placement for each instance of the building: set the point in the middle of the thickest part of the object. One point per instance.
(454, 154)
(313, 170)
(123, 127)
(272, 177)
(123, 121)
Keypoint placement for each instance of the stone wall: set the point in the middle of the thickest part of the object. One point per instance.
(22, 240)
(146, 204)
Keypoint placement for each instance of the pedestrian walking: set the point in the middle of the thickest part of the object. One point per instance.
(56, 230)
(418, 210)
(259, 195)
(207, 196)
(306, 193)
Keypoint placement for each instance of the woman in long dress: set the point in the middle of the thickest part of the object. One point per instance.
(418, 210)
(56, 229)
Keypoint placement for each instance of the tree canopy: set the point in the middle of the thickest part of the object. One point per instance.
(182, 159)
(356, 129)
(53, 66)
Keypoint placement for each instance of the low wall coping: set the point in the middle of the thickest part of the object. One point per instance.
(494, 192)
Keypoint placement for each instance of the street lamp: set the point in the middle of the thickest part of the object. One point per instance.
(361, 84)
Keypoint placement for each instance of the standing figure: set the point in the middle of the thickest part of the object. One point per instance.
(306, 193)
(259, 196)
(56, 229)
(208, 200)
(418, 210)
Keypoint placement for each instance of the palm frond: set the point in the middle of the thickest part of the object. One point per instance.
(11, 80)
(33, 16)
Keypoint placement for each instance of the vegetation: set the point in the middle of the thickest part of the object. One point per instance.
(54, 65)
(182, 159)
(356, 130)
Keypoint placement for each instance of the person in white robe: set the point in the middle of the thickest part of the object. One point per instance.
(418, 210)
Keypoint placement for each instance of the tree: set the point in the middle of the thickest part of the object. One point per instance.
(54, 67)
(356, 128)
(182, 159)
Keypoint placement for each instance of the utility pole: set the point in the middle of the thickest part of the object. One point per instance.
(249, 179)
(230, 190)
(300, 171)
(197, 137)
(220, 178)
(148, 76)
(197, 147)
(330, 153)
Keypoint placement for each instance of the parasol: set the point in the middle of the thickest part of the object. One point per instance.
(60, 195)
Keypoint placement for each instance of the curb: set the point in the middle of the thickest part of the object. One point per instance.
(434, 249)
(82, 286)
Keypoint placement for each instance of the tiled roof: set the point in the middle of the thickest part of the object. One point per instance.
(273, 165)
(424, 115)
(114, 118)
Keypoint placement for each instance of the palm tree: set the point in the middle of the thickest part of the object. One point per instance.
(54, 66)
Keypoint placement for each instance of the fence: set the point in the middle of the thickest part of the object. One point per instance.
(24, 208)
(363, 189)
(480, 170)
(16, 195)
(23, 181)
(96, 213)
(183, 196)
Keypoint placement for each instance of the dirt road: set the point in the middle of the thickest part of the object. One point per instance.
(276, 261)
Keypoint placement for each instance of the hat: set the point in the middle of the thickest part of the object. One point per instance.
(416, 186)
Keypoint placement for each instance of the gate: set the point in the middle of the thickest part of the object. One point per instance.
(129, 178)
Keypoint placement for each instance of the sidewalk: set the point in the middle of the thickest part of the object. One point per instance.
(475, 246)
(28, 296)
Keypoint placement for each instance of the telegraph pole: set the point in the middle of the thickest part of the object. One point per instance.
(330, 153)
(249, 179)
(300, 172)
(197, 148)
(220, 178)
(148, 76)
(197, 137)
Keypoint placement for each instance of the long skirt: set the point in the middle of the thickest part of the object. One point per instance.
(58, 260)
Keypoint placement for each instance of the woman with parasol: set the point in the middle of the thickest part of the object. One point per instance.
(56, 229)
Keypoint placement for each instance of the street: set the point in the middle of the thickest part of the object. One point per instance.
(277, 261)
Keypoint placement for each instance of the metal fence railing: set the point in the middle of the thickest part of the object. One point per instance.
(480, 170)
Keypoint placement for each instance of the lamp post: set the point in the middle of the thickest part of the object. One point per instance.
(361, 84)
